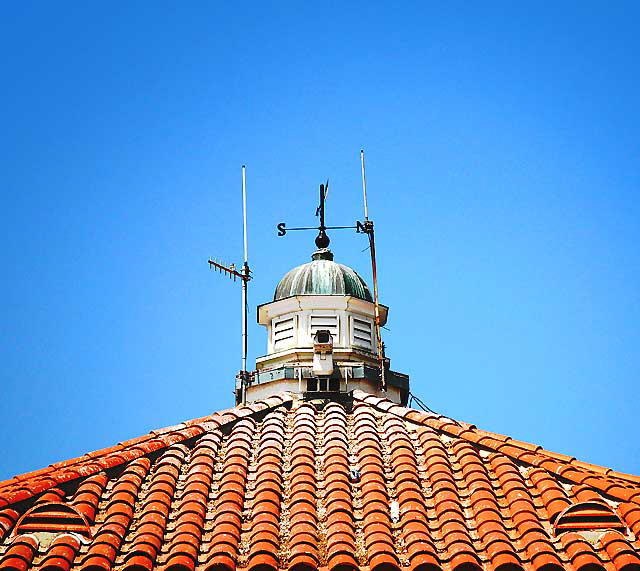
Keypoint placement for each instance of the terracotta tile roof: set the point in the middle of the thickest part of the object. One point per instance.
(287, 484)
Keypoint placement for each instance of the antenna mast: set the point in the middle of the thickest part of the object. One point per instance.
(368, 229)
(245, 275)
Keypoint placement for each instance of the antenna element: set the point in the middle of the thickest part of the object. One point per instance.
(364, 186)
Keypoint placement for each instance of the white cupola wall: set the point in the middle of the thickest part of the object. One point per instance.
(293, 322)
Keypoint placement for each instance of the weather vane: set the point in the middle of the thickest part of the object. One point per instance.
(366, 227)
(322, 240)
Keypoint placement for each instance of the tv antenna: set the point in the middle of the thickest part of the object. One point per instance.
(366, 227)
(244, 275)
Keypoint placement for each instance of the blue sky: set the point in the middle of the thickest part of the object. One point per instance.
(502, 145)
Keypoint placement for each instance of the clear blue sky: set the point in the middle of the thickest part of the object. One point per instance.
(502, 145)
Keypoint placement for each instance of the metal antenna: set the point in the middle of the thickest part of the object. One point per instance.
(244, 210)
(243, 376)
(364, 186)
(367, 228)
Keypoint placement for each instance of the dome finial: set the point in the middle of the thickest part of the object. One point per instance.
(322, 240)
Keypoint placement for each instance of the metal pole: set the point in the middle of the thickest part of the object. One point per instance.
(376, 305)
(368, 224)
(245, 271)
(364, 186)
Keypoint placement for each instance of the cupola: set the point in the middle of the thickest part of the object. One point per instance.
(321, 335)
(323, 326)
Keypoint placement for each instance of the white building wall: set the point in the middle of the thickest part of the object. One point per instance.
(291, 322)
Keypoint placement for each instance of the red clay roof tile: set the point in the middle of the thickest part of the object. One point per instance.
(19, 553)
(272, 485)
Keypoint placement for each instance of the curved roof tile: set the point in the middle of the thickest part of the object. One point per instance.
(270, 486)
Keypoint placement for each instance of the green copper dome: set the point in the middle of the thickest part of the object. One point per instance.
(322, 276)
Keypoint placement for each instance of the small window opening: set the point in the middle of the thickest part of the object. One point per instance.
(362, 333)
(283, 333)
(328, 322)
(53, 518)
(323, 384)
(588, 516)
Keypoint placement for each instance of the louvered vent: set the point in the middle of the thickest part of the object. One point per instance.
(53, 518)
(329, 322)
(362, 333)
(283, 333)
(588, 516)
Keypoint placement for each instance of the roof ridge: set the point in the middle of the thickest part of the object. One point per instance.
(601, 478)
(30, 484)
